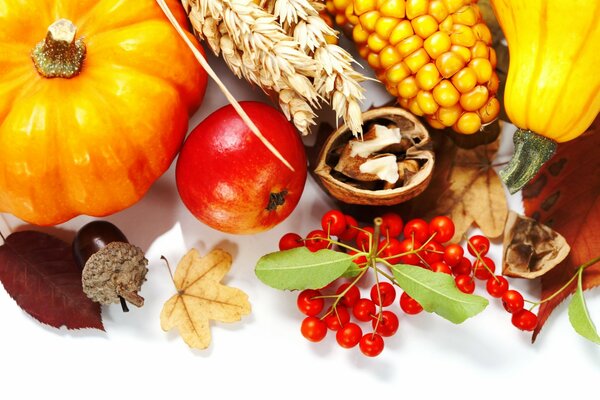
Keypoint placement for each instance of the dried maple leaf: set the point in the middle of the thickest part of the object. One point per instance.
(38, 271)
(201, 297)
(565, 195)
(464, 187)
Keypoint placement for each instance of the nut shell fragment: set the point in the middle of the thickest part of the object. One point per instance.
(530, 248)
(415, 146)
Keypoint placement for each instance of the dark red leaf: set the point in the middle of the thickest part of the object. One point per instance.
(565, 195)
(38, 271)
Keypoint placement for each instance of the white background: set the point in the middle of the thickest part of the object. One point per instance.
(264, 354)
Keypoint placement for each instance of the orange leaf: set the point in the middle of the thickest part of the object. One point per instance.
(565, 195)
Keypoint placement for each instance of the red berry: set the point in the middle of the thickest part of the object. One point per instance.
(433, 252)
(512, 301)
(351, 229)
(363, 310)
(418, 228)
(371, 344)
(337, 318)
(406, 246)
(525, 320)
(308, 302)
(484, 268)
(386, 292)
(392, 225)
(496, 286)
(465, 283)
(349, 335)
(351, 296)
(290, 241)
(453, 254)
(361, 261)
(442, 267)
(364, 237)
(387, 324)
(478, 244)
(317, 240)
(443, 227)
(463, 267)
(389, 249)
(334, 222)
(313, 329)
(409, 305)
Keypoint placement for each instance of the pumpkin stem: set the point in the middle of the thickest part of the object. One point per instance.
(531, 152)
(59, 55)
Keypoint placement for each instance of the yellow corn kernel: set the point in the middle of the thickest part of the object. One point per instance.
(368, 20)
(397, 73)
(380, 75)
(385, 26)
(453, 5)
(466, 15)
(428, 76)
(462, 35)
(437, 44)
(468, 123)
(414, 108)
(331, 7)
(480, 50)
(416, 8)
(445, 94)
(482, 32)
(449, 63)
(363, 6)
(350, 16)
(408, 88)
(426, 102)
(424, 26)
(359, 35)
(449, 115)
(404, 102)
(489, 111)
(493, 58)
(340, 19)
(434, 123)
(389, 56)
(373, 60)
(493, 83)
(341, 4)
(446, 25)
(409, 45)
(416, 60)
(376, 43)
(392, 8)
(475, 99)
(438, 10)
(391, 89)
(464, 80)
(482, 68)
(402, 31)
(363, 51)
(462, 51)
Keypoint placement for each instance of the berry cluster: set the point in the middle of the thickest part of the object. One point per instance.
(390, 241)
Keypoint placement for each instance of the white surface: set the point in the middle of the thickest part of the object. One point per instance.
(264, 355)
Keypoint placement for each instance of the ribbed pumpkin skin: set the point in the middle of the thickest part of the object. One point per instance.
(92, 144)
(553, 84)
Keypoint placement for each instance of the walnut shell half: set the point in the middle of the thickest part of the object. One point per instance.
(353, 191)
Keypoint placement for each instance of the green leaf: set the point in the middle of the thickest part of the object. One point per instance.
(437, 292)
(579, 315)
(299, 268)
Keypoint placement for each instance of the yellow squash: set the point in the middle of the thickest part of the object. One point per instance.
(553, 87)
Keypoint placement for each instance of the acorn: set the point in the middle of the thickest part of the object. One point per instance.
(113, 269)
(392, 162)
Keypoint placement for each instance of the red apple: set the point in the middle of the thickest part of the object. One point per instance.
(230, 181)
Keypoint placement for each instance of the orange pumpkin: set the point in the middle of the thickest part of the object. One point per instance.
(95, 97)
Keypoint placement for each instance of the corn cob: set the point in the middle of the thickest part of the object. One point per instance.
(434, 55)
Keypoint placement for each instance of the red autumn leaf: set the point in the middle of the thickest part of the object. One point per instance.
(565, 195)
(38, 271)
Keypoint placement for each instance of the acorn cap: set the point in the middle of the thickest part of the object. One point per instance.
(117, 270)
(352, 191)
